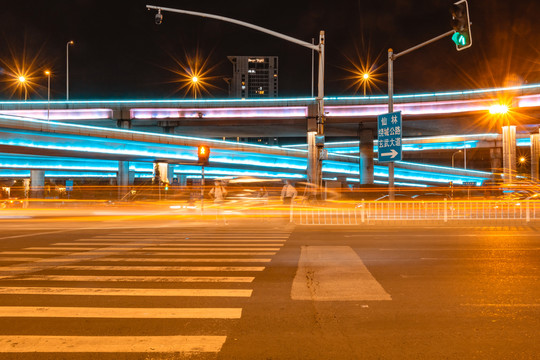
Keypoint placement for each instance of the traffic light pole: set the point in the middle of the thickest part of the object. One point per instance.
(391, 58)
(314, 167)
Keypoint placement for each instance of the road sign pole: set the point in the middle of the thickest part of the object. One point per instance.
(390, 109)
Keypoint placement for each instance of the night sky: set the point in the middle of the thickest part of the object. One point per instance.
(120, 53)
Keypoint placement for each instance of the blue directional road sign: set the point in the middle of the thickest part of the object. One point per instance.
(69, 185)
(389, 137)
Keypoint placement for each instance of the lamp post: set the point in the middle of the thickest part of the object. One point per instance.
(22, 81)
(67, 67)
(454, 154)
(195, 81)
(508, 140)
(315, 132)
(48, 73)
(365, 78)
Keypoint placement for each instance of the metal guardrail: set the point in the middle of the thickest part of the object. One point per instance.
(427, 211)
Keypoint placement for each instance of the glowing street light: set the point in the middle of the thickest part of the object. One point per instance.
(67, 67)
(501, 111)
(48, 73)
(498, 109)
(454, 154)
(22, 82)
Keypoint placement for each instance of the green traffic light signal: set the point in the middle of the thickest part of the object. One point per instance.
(459, 39)
(461, 25)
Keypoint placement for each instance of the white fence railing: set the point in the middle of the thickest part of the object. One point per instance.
(437, 211)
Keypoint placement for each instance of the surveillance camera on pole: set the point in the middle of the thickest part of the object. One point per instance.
(159, 18)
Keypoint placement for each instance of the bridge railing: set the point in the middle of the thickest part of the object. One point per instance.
(369, 212)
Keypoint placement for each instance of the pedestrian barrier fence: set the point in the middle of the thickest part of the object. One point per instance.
(438, 211)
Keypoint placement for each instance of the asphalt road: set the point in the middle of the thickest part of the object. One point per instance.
(134, 289)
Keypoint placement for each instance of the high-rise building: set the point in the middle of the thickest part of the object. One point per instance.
(254, 77)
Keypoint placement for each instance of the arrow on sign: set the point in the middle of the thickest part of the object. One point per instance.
(392, 154)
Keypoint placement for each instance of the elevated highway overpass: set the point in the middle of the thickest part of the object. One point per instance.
(151, 132)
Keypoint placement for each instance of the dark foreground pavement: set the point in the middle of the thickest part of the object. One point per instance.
(288, 292)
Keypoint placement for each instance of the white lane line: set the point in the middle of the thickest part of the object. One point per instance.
(34, 252)
(460, 249)
(176, 253)
(121, 313)
(435, 235)
(19, 259)
(464, 258)
(86, 248)
(502, 305)
(334, 273)
(123, 292)
(209, 248)
(209, 245)
(162, 268)
(111, 344)
(134, 278)
(172, 252)
(178, 241)
(108, 243)
(174, 260)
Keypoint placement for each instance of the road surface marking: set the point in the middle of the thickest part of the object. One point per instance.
(111, 344)
(121, 313)
(124, 292)
(34, 252)
(166, 260)
(459, 249)
(209, 248)
(162, 253)
(132, 278)
(177, 241)
(130, 244)
(208, 245)
(502, 305)
(86, 248)
(19, 259)
(163, 268)
(334, 273)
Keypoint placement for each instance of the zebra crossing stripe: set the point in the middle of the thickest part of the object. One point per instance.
(134, 278)
(161, 268)
(168, 260)
(175, 241)
(121, 313)
(124, 292)
(111, 344)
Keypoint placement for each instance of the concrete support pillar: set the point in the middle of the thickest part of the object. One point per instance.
(163, 173)
(509, 153)
(182, 180)
(169, 129)
(365, 137)
(123, 124)
(495, 155)
(124, 178)
(535, 156)
(37, 183)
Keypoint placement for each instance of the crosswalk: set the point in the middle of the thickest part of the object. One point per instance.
(172, 292)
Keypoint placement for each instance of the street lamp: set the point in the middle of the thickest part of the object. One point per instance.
(22, 82)
(67, 67)
(365, 79)
(508, 140)
(454, 154)
(48, 73)
(315, 133)
(194, 81)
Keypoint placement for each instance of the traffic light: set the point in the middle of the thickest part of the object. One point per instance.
(462, 26)
(204, 154)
